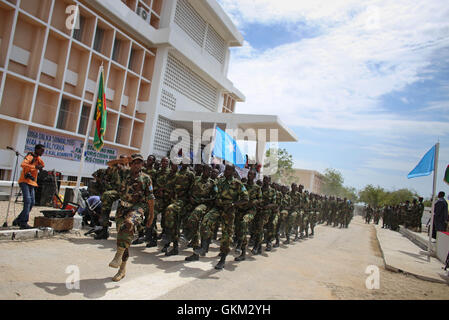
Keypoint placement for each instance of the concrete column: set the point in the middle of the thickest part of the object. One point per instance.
(152, 108)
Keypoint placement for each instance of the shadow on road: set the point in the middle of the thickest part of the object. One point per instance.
(90, 288)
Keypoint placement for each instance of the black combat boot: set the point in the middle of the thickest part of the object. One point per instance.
(297, 237)
(174, 251)
(288, 239)
(268, 247)
(203, 249)
(221, 263)
(103, 234)
(255, 250)
(238, 246)
(276, 244)
(242, 256)
(165, 248)
(193, 257)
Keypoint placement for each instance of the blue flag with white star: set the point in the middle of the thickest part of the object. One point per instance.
(227, 149)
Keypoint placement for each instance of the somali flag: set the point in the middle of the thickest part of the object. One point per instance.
(226, 148)
(425, 166)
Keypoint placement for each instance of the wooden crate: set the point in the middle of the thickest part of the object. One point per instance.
(58, 224)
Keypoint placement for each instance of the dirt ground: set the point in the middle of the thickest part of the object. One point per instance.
(331, 265)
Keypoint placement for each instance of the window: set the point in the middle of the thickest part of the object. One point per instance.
(116, 50)
(99, 34)
(78, 33)
(85, 113)
(119, 130)
(64, 111)
(131, 59)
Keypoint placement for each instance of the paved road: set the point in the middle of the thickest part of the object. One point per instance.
(329, 266)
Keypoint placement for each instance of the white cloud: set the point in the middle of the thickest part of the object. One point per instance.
(336, 79)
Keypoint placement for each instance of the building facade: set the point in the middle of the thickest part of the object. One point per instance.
(311, 180)
(165, 64)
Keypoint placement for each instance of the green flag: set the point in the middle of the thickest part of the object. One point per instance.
(446, 175)
(100, 115)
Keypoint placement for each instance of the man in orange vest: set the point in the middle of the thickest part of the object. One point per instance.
(27, 182)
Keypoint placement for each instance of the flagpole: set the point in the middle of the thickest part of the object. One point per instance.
(435, 173)
(86, 139)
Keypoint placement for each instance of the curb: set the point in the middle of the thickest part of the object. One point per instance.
(26, 234)
(391, 268)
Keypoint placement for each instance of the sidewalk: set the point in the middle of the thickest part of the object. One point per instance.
(402, 255)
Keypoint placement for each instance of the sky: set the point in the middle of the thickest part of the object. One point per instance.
(363, 84)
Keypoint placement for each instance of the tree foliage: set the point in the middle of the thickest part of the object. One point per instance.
(378, 196)
(284, 173)
(333, 185)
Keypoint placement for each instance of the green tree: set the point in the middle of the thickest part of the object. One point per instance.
(374, 196)
(399, 196)
(333, 185)
(284, 173)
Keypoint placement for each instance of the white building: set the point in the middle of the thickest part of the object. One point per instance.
(165, 63)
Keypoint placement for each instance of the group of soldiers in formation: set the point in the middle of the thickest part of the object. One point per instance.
(406, 214)
(194, 202)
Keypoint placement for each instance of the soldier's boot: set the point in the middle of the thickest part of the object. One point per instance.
(276, 244)
(312, 232)
(174, 251)
(288, 239)
(140, 239)
(103, 234)
(268, 247)
(297, 236)
(203, 249)
(221, 263)
(150, 239)
(117, 261)
(255, 250)
(193, 257)
(238, 247)
(121, 272)
(165, 248)
(242, 256)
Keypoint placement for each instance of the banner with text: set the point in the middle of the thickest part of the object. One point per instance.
(67, 148)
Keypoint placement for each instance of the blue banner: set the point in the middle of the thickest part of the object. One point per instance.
(425, 166)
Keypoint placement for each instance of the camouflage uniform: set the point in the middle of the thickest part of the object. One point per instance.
(134, 192)
(305, 200)
(263, 216)
(245, 215)
(162, 193)
(202, 192)
(228, 191)
(293, 222)
(112, 181)
(285, 214)
(274, 221)
(175, 214)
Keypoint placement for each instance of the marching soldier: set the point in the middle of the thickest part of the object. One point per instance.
(136, 198)
(231, 194)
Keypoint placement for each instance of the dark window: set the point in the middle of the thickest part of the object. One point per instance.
(78, 33)
(98, 39)
(131, 59)
(64, 111)
(116, 50)
(85, 113)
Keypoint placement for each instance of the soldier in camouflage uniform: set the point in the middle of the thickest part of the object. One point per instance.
(246, 214)
(292, 224)
(231, 194)
(263, 216)
(111, 182)
(368, 214)
(136, 198)
(420, 213)
(202, 197)
(162, 193)
(97, 186)
(314, 212)
(305, 218)
(273, 221)
(175, 214)
(285, 211)
(151, 233)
